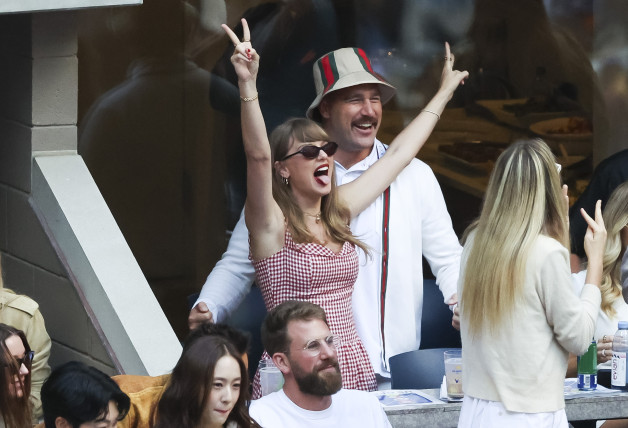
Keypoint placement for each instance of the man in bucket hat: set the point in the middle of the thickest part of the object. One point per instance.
(408, 220)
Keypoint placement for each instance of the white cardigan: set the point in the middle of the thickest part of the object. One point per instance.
(524, 365)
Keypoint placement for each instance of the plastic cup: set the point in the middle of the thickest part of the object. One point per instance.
(453, 373)
(270, 377)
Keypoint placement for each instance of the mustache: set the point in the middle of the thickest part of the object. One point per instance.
(366, 119)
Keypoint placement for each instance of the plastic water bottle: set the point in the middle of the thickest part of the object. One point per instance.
(618, 364)
(587, 368)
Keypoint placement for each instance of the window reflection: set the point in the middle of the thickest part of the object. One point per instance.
(159, 109)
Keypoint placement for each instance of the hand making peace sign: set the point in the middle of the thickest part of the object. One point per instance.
(245, 59)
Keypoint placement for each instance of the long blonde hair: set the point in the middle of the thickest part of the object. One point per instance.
(615, 219)
(335, 216)
(522, 201)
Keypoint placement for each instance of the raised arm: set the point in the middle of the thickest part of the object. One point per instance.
(361, 192)
(263, 216)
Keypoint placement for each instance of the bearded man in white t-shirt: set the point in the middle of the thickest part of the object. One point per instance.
(296, 335)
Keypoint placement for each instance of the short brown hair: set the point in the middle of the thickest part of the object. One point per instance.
(275, 326)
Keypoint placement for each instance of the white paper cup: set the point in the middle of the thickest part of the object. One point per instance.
(453, 373)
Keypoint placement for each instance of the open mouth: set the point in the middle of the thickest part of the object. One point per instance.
(367, 124)
(321, 174)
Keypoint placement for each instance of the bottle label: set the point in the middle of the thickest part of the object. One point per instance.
(618, 369)
(587, 382)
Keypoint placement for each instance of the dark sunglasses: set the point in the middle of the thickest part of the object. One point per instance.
(311, 151)
(26, 359)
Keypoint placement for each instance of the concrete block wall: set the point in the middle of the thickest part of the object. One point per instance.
(38, 111)
(52, 255)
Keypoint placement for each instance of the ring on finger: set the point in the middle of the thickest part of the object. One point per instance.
(604, 338)
(246, 40)
(604, 352)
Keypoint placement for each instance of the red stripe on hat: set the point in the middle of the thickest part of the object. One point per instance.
(365, 60)
(329, 74)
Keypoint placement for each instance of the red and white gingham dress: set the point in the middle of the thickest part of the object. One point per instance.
(315, 273)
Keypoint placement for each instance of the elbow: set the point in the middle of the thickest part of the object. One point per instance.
(579, 342)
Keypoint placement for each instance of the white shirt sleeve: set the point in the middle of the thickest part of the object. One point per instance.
(230, 280)
(440, 243)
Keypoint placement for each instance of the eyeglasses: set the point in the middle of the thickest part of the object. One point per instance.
(313, 347)
(26, 359)
(311, 151)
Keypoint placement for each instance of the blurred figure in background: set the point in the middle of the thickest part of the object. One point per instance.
(148, 143)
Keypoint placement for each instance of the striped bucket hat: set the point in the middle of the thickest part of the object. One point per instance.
(343, 68)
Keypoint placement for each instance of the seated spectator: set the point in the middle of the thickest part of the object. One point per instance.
(79, 396)
(22, 312)
(297, 337)
(208, 388)
(153, 385)
(15, 378)
(210, 356)
(613, 307)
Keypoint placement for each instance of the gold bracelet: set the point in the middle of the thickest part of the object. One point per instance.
(433, 112)
(247, 99)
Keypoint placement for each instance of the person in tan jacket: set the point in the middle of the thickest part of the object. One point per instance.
(22, 313)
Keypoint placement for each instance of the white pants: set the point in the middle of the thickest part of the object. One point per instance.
(476, 413)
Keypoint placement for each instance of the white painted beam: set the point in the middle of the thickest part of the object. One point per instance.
(102, 266)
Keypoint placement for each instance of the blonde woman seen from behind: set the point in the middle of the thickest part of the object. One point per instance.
(519, 315)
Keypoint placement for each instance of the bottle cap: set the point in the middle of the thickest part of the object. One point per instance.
(622, 324)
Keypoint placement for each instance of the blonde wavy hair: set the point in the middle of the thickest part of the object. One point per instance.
(615, 219)
(522, 201)
(335, 216)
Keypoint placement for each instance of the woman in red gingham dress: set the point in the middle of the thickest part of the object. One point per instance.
(314, 273)
(297, 218)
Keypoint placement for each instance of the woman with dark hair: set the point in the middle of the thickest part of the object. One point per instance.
(15, 378)
(208, 388)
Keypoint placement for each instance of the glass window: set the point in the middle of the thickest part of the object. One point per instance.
(159, 108)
